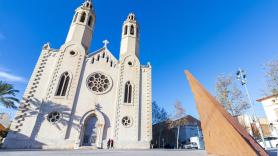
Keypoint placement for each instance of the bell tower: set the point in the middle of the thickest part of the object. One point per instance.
(130, 37)
(82, 26)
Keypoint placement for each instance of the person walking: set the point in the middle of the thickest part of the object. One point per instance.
(112, 143)
(108, 144)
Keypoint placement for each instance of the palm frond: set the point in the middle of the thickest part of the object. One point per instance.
(7, 95)
(8, 103)
(13, 99)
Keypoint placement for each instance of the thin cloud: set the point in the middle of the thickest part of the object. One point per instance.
(10, 77)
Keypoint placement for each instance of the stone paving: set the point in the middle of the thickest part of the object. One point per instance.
(106, 153)
(156, 152)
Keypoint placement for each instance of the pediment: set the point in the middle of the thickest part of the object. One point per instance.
(102, 54)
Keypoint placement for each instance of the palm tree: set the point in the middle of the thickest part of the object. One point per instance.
(7, 95)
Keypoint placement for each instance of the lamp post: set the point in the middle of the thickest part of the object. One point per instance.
(241, 76)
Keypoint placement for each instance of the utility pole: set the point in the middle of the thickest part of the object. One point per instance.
(241, 76)
(178, 134)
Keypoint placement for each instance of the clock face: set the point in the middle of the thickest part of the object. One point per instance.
(99, 83)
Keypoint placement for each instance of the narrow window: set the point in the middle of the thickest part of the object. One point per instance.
(93, 60)
(83, 17)
(63, 84)
(125, 32)
(90, 21)
(111, 64)
(107, 59)
(132, 30)
(103, 55)
(64, 91)
(60, 87)
(98, 57)
(128, 92)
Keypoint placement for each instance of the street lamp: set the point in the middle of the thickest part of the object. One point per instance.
(241, 76)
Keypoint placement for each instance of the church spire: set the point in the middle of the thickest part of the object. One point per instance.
(88, 4)
(82, 27)
(130, 37)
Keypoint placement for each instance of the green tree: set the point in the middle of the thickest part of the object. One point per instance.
(230, 96)
(8, 95)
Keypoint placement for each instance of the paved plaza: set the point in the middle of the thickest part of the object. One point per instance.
(156, 152)
(106, 153)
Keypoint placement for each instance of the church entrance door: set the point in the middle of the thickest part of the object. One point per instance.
(90, 131)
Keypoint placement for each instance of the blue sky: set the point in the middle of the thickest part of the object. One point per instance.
(208, 37)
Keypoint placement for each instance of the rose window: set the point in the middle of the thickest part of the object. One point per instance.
(126, 121)
(99, 83)
(54, 117)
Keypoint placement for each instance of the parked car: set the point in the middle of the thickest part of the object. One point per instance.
(199, 141)
(190, 145)
(271, 142)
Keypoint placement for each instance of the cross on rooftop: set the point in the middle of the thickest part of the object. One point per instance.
(105, 42)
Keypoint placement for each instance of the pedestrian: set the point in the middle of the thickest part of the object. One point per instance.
(152, 144)
(108, 144)
(112, 143)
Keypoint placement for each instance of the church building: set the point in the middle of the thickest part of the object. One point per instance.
(76, 99)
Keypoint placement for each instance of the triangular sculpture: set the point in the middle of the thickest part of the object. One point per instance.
(223, 135)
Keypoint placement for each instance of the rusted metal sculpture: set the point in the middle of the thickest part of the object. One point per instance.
(223, 135)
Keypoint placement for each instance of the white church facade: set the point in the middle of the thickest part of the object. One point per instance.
(77, 99)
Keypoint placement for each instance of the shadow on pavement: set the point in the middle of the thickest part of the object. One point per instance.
(272, 152)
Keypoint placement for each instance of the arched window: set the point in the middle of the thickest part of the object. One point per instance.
(93, 60)
(128, 92)
(98, 57)
(132, 30)
(125, 32)
(90, 21)
(103, 55)
(63, 84)
(83, 17)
